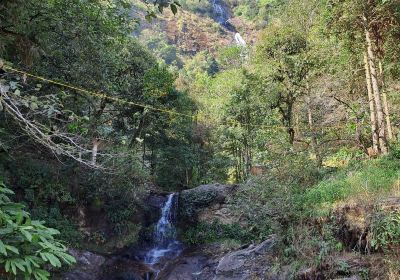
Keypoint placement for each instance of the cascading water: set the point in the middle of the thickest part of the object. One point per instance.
(222, 15)
(165, 244)
(239, 40)
(220, 12)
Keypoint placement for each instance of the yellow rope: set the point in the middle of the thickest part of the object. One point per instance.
(122, 101)
(96, 94)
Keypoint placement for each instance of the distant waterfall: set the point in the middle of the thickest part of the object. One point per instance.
(220, 11)
(165, 242)
(239, 40)
(222, 15)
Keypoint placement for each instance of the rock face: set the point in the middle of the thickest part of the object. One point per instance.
(354, 221)
(206, 203)
(246, 263)
(88, 266)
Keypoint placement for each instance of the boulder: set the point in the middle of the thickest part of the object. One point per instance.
(121, 268)
(206, 203)
(155, 200)
(245, 263)
(210, 263)
(88, 266)
(187, 268)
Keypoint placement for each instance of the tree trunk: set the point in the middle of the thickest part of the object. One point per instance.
(314, 143)
(385, 104)
(371, 105)
(377, 96)
(94, 150)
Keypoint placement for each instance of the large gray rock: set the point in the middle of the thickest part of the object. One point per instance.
(187, 268)
(245, 263)
(88, 266)
(207, 203)
(249, 263)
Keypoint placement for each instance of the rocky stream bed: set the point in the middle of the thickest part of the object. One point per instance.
(167, 258)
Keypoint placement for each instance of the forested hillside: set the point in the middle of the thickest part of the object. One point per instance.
(119, 117)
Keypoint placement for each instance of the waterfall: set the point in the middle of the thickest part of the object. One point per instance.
(220, 12)
(164, 238)
(222, 15)
(239, 40)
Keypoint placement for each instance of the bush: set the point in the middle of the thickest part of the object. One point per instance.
(27, 247)
(358, 180)
(385, 231)
(204, 233)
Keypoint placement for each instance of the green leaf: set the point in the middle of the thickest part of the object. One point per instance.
(20, 264)
(174, 9)
(41, 274)
(67, 258)
(34, 106)
(3, 248)
(13, 267)
(53, 260)
(7, 266)
(19, 217)
(27, 234)
(12, 249)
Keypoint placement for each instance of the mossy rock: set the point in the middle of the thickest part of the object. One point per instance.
(192, 201)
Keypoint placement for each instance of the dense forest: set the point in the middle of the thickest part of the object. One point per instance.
(117, 113)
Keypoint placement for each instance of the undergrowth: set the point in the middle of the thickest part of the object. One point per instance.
(298, 202)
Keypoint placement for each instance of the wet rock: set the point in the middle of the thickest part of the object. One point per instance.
(88, 266)
(187, 268)
(156, 200)
(119, 268)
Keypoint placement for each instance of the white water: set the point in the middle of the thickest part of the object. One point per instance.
(222, 17)
(165, 242)
(239, 40)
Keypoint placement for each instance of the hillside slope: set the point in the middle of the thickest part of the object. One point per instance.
(192, 31)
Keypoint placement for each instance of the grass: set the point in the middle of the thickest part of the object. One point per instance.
(361, 181)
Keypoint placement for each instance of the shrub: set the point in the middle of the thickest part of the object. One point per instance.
(385, 231)
(27, 247)
(204, 233)
(358, 180)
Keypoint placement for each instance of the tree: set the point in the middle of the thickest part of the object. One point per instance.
(284, 53)
(27, 247)
(368, 25)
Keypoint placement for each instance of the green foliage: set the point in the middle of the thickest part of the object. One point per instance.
(371, 177)
(27, 247)
(385, 231)
(201, 7)
(191, 202)
(204, 233)
(258, 12)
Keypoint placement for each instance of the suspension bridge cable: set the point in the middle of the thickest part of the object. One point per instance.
(131, 103)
